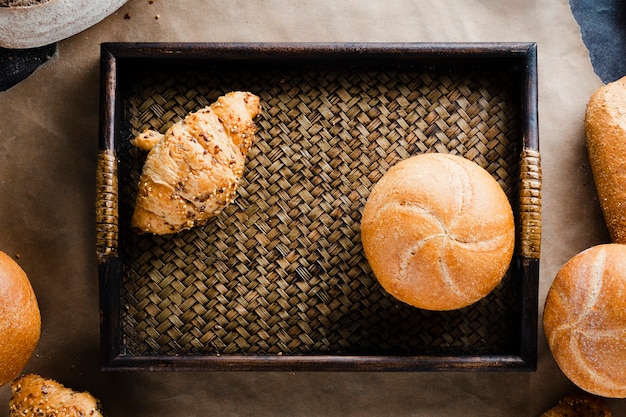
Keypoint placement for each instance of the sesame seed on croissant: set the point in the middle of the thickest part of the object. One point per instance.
(33, 395)
(192, 171)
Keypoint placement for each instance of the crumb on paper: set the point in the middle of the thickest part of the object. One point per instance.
(127, 16)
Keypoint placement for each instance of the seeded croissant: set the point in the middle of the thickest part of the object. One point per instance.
(33, 395)
(192, 171)
(579, 405)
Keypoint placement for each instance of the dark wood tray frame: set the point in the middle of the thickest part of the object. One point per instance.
(116, 56)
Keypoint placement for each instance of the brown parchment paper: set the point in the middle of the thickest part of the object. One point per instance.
(48, 144)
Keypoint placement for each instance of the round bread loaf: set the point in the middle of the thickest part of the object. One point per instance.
(20, 320)
(438, 232)
(585, 320)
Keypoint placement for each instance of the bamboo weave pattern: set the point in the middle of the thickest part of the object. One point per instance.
(281, 270)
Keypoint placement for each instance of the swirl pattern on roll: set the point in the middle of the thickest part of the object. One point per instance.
(438, 231)
(585, 320)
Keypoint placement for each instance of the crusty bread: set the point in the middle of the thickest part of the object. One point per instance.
(438, 231)
(585, 320)
(605, 128)
(579, 405)
(193, 170)
(20, 319)
(33, 395)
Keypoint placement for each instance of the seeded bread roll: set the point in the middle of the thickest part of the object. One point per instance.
(192, 171)
(605, 128)
(438, 232)
(585, 320)
(33, 395)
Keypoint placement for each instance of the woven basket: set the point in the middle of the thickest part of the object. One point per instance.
(281, 271)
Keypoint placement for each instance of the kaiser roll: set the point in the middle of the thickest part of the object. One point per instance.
(20, 321)
(438, 231)
(585, 320)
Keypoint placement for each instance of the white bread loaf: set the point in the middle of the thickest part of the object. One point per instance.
(20, 319)
(605, 128)
(438, 232)
(585, 320)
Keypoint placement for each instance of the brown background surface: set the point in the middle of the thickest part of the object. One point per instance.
(48, 146)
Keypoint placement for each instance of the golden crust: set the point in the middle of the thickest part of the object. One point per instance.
(147, 140)
(193, 171)
(585, 320)
(20, 319)
(579, 405)
(605, 128)
(33, 395)
(438, 232)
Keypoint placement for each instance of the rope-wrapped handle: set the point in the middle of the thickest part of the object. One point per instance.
(107, 214)
(530, 203)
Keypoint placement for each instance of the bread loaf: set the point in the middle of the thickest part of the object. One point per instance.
(33, 395)
(605, 128)
(585, 320)
(20, 320)
(438, 232)
(193, 170)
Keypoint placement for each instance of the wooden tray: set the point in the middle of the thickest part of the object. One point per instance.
(278, 281)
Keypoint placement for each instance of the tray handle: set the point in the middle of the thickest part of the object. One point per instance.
(530, 203)
(107, 213)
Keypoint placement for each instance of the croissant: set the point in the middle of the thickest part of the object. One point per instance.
(33, 395)
(192, 171)
(579, 405)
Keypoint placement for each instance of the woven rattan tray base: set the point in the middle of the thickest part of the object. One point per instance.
(281, 272)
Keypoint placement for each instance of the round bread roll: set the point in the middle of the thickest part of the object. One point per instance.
(438, 232)
(584, 320)
(20, 321)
